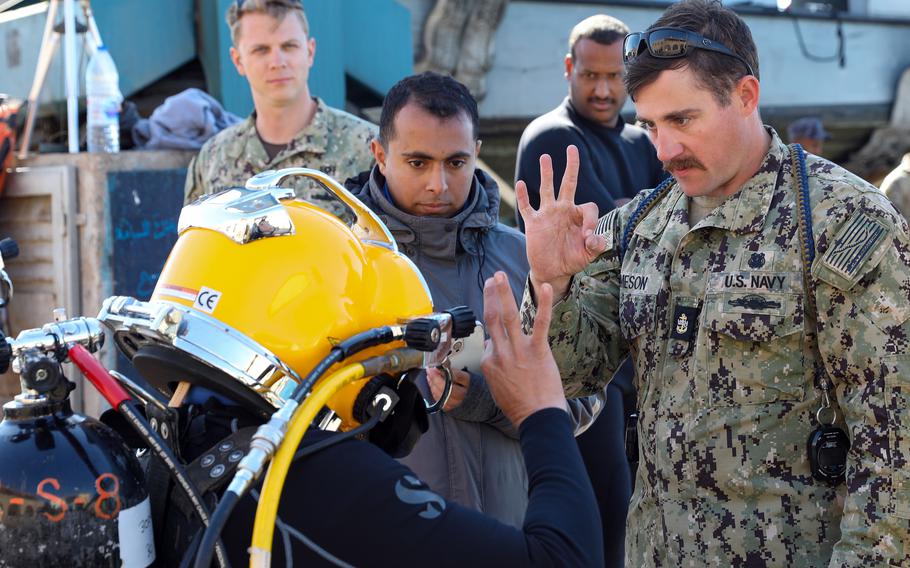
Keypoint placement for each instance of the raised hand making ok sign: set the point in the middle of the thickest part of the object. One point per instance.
(560, 234)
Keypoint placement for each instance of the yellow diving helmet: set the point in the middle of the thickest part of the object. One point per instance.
(259, 287)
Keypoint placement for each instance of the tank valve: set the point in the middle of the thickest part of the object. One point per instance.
(39, 372)
(462, 321)
(422, 334)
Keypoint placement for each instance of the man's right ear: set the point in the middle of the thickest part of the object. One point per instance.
(569, 65)
(379, 154)
(235, 58)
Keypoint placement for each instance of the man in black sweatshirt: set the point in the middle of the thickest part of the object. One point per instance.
(617, 160)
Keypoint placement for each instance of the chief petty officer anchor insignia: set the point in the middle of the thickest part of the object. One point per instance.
(685, 318)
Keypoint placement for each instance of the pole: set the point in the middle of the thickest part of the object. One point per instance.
(93, 32)
(49, 43)
(72, 80)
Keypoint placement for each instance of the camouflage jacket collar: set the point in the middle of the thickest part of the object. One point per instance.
(743, 212)
(313, 139)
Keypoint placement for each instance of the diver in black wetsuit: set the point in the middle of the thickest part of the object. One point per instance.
(351, 504)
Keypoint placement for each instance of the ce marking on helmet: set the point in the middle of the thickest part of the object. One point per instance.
(207, 300)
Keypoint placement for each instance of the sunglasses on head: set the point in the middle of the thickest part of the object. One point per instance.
(290, 3)
(672, 43)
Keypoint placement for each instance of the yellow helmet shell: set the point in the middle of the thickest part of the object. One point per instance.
(295, 294)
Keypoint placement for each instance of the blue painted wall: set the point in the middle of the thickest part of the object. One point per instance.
(367, 39)
(326, 27)
(146, 39)
(378, 47)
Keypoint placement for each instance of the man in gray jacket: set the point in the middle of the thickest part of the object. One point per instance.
(444, 214)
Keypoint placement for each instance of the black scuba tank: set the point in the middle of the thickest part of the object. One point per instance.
(71, 493)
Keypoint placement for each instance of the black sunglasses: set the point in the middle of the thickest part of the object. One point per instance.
(672, 43)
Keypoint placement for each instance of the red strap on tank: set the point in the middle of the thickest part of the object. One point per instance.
(95, 372)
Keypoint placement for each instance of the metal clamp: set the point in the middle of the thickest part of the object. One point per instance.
(826, 409)
(446, 392)
(242, 215)
(136, 323)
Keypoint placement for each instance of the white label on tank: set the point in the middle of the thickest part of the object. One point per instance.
(137, 543)
(207, 299)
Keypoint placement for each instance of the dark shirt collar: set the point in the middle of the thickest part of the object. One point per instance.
(438, 237)
(578, 118)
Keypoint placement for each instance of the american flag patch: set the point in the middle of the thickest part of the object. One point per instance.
(854, 244)
(604, 229)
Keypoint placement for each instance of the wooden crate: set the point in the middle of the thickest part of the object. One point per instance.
(37, 209)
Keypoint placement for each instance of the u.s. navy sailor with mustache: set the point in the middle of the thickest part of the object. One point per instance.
(702, 284)
(723, 369)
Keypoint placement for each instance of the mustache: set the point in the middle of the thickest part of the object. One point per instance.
(682, 163)
(610, 100)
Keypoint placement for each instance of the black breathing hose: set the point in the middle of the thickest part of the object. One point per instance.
(210, 538)
(343, 350)
(331, 441)
(354, 344)
(164, 452)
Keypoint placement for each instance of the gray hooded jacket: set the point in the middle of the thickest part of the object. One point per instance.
(471, 454)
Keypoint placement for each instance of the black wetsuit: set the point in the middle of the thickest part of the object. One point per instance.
(366, 509)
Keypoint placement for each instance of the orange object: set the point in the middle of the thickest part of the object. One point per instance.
(8, 115)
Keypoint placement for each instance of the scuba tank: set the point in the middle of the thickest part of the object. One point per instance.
(71, 492)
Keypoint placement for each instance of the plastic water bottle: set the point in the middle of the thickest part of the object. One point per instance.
(102, 85)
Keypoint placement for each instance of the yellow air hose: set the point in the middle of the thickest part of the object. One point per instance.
(267, 510)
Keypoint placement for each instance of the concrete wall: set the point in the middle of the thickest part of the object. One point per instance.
(527, 75)
(895, 8)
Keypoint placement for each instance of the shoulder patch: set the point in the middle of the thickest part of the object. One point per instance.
(856, 249)
(604, 229)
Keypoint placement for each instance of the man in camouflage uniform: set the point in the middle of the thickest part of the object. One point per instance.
(705, 290)
(288, 127)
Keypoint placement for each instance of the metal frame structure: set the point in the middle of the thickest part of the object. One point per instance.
(49, 44)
